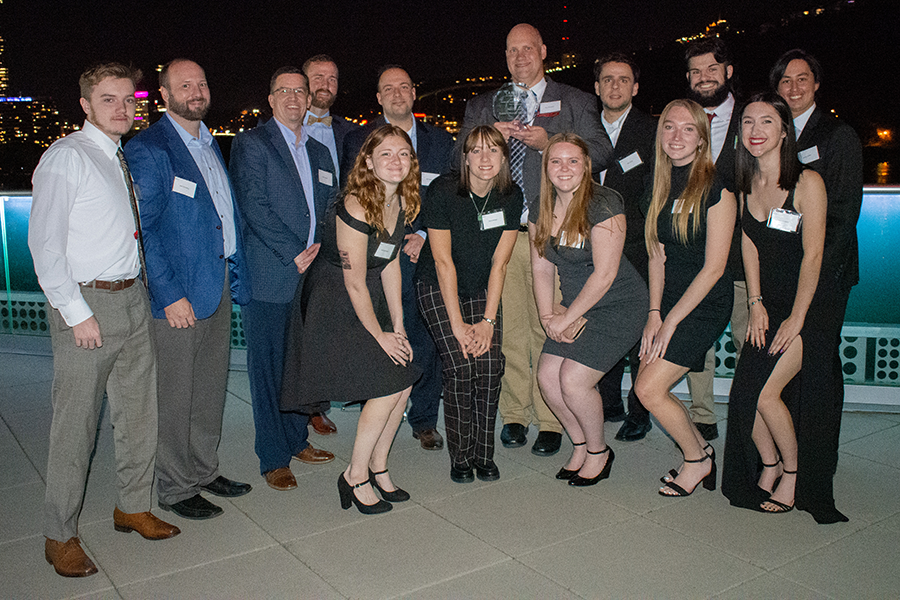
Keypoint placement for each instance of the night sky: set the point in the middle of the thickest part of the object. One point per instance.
(49, 42)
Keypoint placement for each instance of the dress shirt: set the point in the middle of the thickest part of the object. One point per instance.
(410, 132)
(81, 226)
(304, 169)
(325, 134)
(537, 94)
(719, 125)
(612, 130)
(216, 180)
(801, 120)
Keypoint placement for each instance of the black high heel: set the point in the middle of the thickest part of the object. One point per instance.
(579, 481)
(780, 507)
(673, 473)
(777, 479)
(709, 481)
(397, 495)
(348, 496)
(565, 473)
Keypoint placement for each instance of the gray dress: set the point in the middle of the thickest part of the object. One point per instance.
(616, 321)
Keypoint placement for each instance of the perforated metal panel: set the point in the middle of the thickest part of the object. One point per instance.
(24, 315)
(237, 328)
(887, 360)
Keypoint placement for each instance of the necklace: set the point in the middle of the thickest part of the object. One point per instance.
(483, 206)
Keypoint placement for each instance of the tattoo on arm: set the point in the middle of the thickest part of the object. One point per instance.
(345, 260)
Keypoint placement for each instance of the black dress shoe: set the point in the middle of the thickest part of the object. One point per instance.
(547, 443)
(709, 431)
(634, 430)
(222, 486)
(487, 472)
(196, 508)
(462, 474)
(513, 435)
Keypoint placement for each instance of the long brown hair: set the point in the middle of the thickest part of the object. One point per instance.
(576, 221)
(369, 191)
(700, 180)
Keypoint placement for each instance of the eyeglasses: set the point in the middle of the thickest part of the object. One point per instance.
(286, 91)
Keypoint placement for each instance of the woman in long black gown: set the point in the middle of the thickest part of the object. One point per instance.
(783, 220)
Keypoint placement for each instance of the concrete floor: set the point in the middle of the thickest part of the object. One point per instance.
(524, 536)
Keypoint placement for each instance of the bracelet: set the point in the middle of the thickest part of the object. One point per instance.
(756, 300)
(492, 322)
(654, 310)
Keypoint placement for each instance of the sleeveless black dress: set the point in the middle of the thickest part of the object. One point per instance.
(700, 329)
(339, 360)
(780, 254)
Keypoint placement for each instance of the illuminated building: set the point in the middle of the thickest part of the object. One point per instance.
(142, 111)
(4, 75)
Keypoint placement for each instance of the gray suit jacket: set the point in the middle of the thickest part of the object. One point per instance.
(577, 114)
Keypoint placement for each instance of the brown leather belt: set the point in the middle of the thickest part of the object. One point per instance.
(112, 286)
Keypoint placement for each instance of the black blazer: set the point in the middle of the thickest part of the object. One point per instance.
(340, 127)
(638, 135)
(840, 164)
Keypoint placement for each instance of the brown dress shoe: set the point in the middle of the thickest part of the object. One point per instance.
(281, 479)
(429, 438)
(68, 558)
(322, 424)
(311, 456)
(145, 523)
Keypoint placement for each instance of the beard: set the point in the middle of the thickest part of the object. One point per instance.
(323, 99)
(181, 109)
(716, 98)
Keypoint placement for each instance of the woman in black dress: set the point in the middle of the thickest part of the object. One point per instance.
(579, 231)
(690, 222)
(472, 220)
(354, 346)
(782, 257)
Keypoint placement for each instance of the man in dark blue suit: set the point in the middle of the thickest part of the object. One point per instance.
(632, 133)
(195, 265)
(284, 181)
(433, 146)
(322, 73)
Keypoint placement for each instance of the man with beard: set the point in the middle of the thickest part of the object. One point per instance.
(710, 84)
(330, 129)
(195, 265)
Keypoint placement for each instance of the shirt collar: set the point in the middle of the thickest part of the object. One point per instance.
(290, 137)
(618, 122)
(187, 138)
(801, 120)
(93, 132)
(538, 88)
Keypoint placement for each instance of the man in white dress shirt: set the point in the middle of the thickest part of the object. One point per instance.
(83, 237)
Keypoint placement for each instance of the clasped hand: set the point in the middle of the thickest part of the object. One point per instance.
(474, 339)
(532, 136)
(655, 339)
(396, 346)
(555, 325)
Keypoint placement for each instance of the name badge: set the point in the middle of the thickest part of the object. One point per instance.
(549, 109)
(809, 155)
(385, 250)
(427, 178)
(492, 219)
(184, 187)
(784, 220)
(678, 206)
(631, 161)
(326, 178)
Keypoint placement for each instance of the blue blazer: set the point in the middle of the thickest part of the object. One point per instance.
(273, 207)
(183, 242)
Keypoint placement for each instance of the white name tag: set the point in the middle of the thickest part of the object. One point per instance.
(784, 220)
(809, 155)
(184, 187)
(678, 206)
(550, 107)
(427, 178)
(631, 161)
(326, 178)
(492, 220)
(385, 250)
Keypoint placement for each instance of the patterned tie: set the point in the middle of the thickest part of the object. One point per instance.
(313, 119)
(137, 217)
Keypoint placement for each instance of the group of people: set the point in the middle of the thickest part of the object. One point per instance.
(517, 272)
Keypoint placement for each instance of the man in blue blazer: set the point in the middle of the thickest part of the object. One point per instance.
(396, 95)
(284, 181)
(195, 265)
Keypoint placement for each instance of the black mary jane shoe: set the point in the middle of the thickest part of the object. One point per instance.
(397, 495)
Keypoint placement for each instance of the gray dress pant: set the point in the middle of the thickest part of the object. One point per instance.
(125, 368)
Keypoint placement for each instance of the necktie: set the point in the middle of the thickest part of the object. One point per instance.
(711, 116)
(313, 119)
(137, 217)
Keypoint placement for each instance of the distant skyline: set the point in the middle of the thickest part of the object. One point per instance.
(49, 42)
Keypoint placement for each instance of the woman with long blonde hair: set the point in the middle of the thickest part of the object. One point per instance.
(690, 222)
